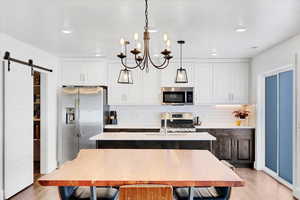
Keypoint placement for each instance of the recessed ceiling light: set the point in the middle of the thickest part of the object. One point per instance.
(66, 31)
(98, 55)
(241, 29)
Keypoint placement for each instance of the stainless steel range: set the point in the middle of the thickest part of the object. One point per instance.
(178, 122)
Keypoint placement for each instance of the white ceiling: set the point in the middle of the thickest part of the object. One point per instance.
(98, 25)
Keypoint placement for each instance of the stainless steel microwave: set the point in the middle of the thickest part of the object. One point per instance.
(177, 95)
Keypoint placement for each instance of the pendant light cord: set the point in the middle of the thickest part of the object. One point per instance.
(180, 56)
(125, 53)
(146, 15)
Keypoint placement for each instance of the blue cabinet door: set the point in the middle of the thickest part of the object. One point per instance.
(286, 102)
(271, 134)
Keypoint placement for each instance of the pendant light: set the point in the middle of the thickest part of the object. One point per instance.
(125, 75)
(181, 75)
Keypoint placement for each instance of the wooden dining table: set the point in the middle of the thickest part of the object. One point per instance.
(117, 167)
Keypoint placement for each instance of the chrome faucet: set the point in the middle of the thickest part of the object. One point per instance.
(165, 125)
(166, 117)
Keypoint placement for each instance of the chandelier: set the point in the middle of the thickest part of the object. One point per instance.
(142, 61)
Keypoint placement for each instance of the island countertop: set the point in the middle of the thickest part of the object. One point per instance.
(136, 136)
(204, 126)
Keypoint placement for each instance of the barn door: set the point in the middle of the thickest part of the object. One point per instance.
(18, 129)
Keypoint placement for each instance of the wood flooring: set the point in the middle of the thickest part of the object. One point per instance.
(258, 186)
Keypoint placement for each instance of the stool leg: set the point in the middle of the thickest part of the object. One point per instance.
(191, 193)
(93, 193)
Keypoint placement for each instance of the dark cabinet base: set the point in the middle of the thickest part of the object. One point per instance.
(202, 145)
(237, 146)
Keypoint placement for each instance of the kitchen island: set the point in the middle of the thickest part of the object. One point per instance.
(235, 144)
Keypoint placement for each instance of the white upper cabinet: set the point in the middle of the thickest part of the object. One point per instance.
(151, 87)
(214, 83)
(135, 90)
(240, 86)
(117, 93)
(83, 72)
(222, 82)
(230, 83)
(124, 94)
(203, 79)
(168, 76)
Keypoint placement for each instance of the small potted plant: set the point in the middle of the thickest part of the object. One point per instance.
(241, 114)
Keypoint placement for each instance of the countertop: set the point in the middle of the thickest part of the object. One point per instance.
(211, 126)
(117, 126)
(129, 136)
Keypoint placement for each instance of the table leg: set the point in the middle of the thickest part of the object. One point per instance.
(93, 193)
(211, 146)
(191, 193)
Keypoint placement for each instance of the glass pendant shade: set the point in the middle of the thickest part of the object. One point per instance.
(125, 77)
(181, 76)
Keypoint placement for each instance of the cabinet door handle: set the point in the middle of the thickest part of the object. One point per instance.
(82, 77)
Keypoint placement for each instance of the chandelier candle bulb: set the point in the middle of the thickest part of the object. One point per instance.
(139, 46)
(165, 37)
(122, 42)
(136, 36)
(168, 43)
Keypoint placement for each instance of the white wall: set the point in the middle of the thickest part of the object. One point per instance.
(25, 51)
(1, 126)
(281, 55)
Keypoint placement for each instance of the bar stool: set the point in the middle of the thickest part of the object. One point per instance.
(84, 193)
(206, 193)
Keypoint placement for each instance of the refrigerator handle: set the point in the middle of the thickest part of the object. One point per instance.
(77, 108)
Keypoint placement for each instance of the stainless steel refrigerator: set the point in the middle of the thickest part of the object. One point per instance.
(83, 112)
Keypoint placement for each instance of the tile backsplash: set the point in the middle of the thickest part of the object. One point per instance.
(150, 115)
